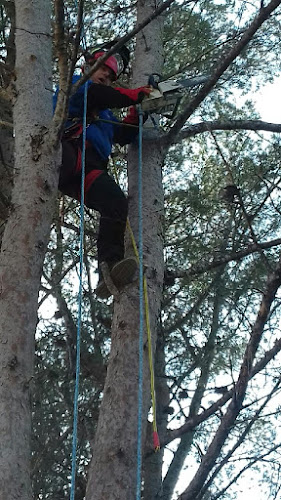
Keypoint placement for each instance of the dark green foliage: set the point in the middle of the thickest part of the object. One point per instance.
(207, 315)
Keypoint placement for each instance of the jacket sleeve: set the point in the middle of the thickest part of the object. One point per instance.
(124, 135)
(102, 96)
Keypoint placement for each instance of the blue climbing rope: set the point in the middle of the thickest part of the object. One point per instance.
(141, 318)
(79, 318)
(78, 340)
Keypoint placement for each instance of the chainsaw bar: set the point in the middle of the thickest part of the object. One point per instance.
(162, 104)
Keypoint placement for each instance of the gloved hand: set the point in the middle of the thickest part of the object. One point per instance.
(132, 117)
(136, 95)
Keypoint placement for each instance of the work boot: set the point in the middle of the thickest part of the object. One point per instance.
(121, 273)
(102, 291)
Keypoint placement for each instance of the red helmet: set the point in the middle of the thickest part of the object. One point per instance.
(111, 62)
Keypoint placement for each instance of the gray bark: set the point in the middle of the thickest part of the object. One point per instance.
(6, 161)
(6, 129)
(24, 242)
(113, 468)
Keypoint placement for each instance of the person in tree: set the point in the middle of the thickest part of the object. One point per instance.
(103, 130)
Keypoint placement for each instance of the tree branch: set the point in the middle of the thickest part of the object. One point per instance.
(241, 438)
(248, 466)
(208, 461)
(74, 53)
(171, 477)
(61, 53)
(255, 125)
(224, 259)
(122, 42)
(6, 124)
(234, 52)
(240, 200)
(193, 422)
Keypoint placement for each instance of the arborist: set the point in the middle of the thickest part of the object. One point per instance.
(102, 193)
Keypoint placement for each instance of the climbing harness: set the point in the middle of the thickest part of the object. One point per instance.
(166, 95)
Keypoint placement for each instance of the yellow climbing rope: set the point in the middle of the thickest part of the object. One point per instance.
(156, 442)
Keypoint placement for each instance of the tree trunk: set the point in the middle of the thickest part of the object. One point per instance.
(6, 162)
(154, 461)
(180, 455)
(24, 242)
(113, 468)
(6, 130)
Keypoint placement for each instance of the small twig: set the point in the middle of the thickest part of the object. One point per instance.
(6, 124)
(246, 216)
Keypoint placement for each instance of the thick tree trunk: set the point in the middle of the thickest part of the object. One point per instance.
(6, 128)
(24, 241)
(113, 469)
(154, 461)
(6, 162)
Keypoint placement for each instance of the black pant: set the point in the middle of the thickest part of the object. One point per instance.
(103, 195)
(107, 198)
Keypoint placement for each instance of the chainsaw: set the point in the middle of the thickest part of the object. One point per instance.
(166, 95)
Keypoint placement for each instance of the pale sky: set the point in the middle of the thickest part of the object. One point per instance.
(268, 102)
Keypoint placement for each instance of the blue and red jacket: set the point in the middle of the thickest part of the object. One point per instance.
(103, 128)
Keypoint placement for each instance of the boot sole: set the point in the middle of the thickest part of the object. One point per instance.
(121, 274)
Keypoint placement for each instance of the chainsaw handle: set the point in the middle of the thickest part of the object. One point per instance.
(154, 79)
